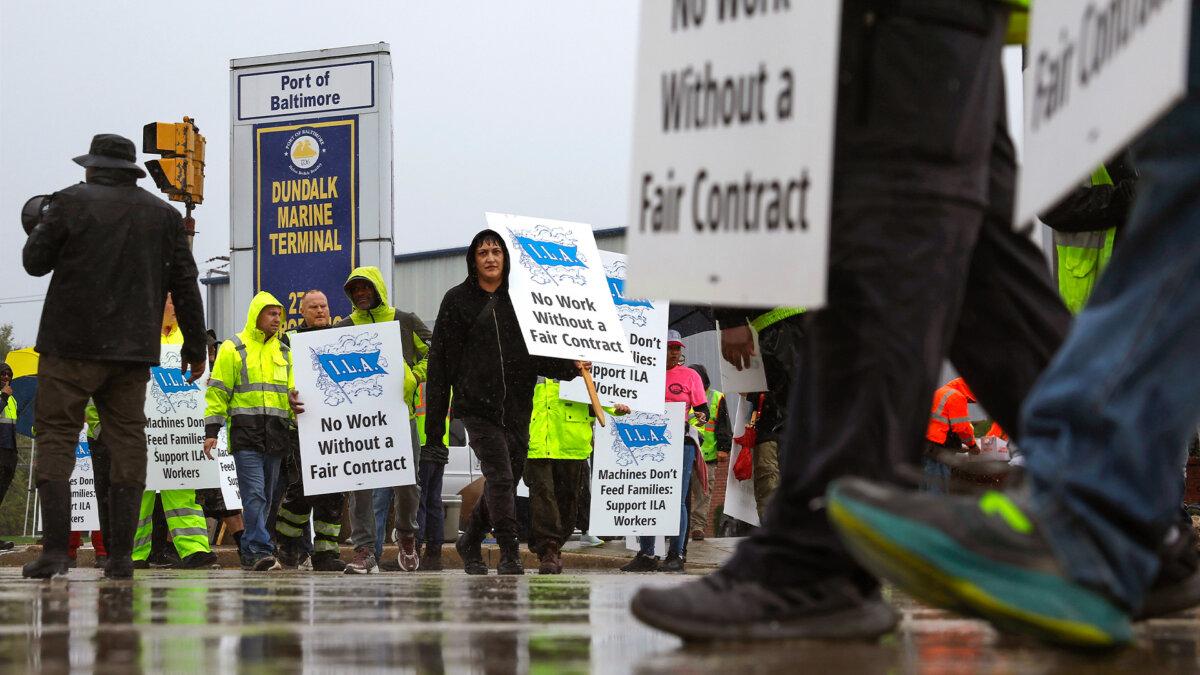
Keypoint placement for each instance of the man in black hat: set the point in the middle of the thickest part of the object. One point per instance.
(115, 251)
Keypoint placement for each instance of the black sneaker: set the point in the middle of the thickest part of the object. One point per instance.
(673, 563)
(641, 563)
(197, 560)
(141, 564)
(327, 561)
(168, 559)
(1177, 586)
(266, 564)
(980, 555)
(6, 545)
(721, 607)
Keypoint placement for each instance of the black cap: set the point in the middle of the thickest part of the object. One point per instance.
(112, 152)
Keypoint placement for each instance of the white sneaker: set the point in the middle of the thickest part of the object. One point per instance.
(306, 564)
(589, 540)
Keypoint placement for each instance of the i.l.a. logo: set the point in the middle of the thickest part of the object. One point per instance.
(550, 253)
(352, 366)
(642, 435)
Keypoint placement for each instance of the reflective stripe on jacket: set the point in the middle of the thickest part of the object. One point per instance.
(558, 429)
(250, 381)
(1082, 257)
(708, 435)
(950, 413)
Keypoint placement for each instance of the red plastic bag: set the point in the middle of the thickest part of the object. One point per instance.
(743, 466)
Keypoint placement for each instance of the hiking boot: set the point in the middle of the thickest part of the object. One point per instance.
(1177, 586)
(267, 563)
(124, 503)
(723, 607)
(548, 562)
(198, 560)
(363, 562)
(697, 535)
(641, 563)
(55, 496)
(510, 557)
(431, 558)
(407, 556)
(673, 563)
(472, 555)
(327, 561)
(979, 555)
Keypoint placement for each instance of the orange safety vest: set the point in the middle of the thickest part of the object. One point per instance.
(949, 413)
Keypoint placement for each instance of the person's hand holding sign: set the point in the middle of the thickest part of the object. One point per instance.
(295, 402)
(209, 444)
(737, 346)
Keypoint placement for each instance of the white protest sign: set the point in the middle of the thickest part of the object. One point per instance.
(231, 492)
(637, 474)
(749, 379)
(641, 385)
(175, 429)
(733, 151)
(739, 494)
(558, 290)
(1099, 73)
(85, 510)
(354, 432)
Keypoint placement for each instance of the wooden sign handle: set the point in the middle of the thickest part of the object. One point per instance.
(597, 409)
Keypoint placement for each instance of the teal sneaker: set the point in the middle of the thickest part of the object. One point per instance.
(978, 555)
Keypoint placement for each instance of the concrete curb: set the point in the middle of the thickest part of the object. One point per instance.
(227, 558)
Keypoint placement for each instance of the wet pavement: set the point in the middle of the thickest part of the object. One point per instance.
(226, 621)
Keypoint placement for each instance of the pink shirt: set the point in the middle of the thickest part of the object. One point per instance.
(684, 385)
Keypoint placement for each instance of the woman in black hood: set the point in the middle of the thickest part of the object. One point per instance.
(479, 352)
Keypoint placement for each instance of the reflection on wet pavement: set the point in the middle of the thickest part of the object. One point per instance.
(448, 622)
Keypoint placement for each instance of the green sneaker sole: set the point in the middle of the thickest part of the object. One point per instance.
(932, 567)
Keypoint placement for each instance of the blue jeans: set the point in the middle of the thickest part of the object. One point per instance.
(257, 475)
(431, 514)
(1106, 426)
(935, 477)
(676, 546)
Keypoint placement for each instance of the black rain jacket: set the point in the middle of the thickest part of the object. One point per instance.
(479, 352)
(115, 250)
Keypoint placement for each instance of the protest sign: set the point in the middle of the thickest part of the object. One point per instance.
(641, 385)
(637, 475)
(559, 292)
(231, 493)
(739, 494)
(175, 429)
(354, 433)
(750, 378)
(733, 150)
(85, 510)
(1099, 74)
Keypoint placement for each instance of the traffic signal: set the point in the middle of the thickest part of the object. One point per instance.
(180, 173)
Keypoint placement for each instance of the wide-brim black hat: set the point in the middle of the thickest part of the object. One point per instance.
(111, 151)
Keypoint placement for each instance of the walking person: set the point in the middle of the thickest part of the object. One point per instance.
(369, 508)
(479, 352)
(250, 387)
(716, 438)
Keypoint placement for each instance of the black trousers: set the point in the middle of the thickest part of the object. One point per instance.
(101, 466)
(555, 487)
(502, 452)
(924, 263)
(295, 506)
(8, 467)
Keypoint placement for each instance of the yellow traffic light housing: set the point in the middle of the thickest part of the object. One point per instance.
(180, 174)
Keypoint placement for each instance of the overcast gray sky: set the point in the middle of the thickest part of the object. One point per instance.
(522, 106)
